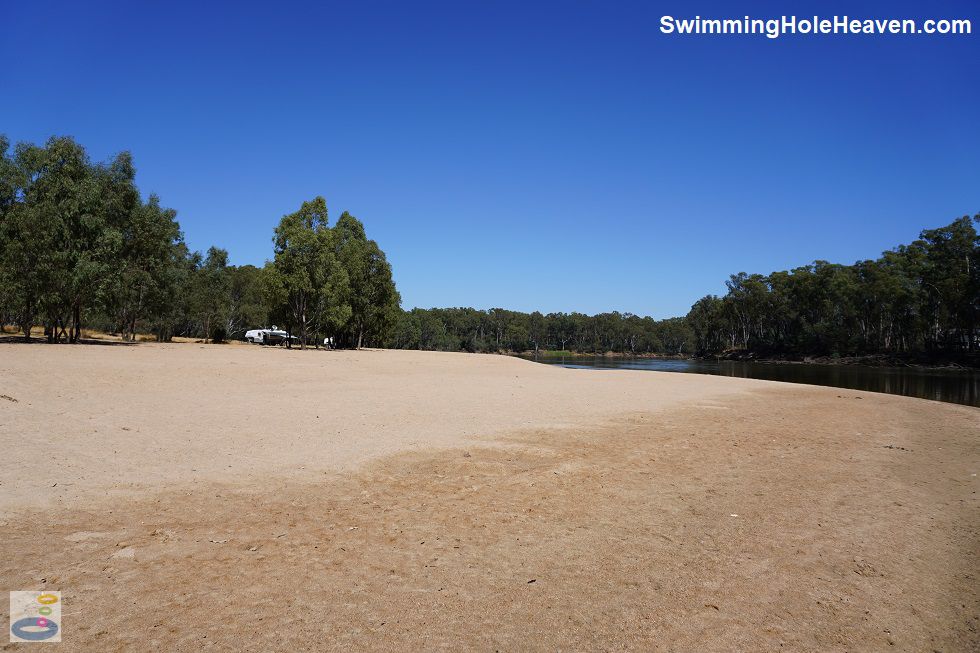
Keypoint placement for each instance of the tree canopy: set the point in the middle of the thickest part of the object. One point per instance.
(917, 297)
(78, 244)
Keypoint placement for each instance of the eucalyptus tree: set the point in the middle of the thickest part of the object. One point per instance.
(371, 294)
(561, 329)
(305, 279)
(537, 330)
(53, 236)
(142, 283)
(247, 305)
(209, 293)
(951, 279)
(172, 312)
(62, 233)
(24, 241)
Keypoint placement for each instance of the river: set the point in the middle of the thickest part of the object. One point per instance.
(955, 386)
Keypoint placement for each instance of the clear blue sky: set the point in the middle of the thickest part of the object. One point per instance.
(556, 156)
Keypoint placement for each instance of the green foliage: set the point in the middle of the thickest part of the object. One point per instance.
(61, 232)
(247, 305)
(499, 330)
(142, 283)
(328, 281)
(209, 294)
(922, 296)
(370, 293)
(77, 240)
(307, 284)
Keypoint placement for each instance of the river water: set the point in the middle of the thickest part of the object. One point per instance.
(955, 386)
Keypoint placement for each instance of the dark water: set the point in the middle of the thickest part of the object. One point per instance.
(958, 387)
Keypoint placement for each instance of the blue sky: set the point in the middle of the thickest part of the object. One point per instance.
(553, 156)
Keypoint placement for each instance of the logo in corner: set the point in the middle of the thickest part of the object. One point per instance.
(35, 616)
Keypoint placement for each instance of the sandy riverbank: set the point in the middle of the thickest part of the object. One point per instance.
(244, 498)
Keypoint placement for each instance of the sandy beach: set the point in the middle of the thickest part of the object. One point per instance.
(187, 497)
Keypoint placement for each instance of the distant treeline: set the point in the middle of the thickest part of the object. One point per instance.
(915, 298)
(495, 330)
(79, 246)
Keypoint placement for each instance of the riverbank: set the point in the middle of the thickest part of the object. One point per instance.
(922, 360)
(927, 361)
(565, 353)
(960, 386)
(384, 500)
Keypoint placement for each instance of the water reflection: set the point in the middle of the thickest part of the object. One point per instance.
(960, 387)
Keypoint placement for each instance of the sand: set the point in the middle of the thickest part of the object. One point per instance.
(187, 497)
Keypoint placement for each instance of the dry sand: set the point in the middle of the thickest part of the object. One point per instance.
(187, 497)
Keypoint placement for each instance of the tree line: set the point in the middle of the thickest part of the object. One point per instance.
(499, 330)
(920, 297)
(79, 245)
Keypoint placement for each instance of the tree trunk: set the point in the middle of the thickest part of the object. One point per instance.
(360, 336)
(76, 318)
(301, 314)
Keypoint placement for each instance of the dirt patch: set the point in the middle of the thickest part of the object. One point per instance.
(781, 522)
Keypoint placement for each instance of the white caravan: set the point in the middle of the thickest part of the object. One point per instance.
(271, 336)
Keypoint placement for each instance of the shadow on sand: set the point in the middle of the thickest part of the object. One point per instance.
(11, 339)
